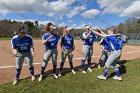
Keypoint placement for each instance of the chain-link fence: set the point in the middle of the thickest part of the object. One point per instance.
(133, 38)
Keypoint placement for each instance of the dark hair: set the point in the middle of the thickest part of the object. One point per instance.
(47, 28)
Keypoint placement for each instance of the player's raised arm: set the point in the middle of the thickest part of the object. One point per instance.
(99, 34)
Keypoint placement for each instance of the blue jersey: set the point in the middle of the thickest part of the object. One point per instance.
(121, 42)
(52, 42)
(113, 41)
(22, 44)
(68, 41)
(105, 44)
(90, 40)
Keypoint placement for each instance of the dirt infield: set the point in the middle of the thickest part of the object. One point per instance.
(7, 62)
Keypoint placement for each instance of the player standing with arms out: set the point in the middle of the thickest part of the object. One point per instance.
(22, 45)
(50, 40)
(88, 41)
(67, 45)
(115, 53)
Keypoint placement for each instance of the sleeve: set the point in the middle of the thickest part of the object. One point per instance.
(13, 44)
(43, 37)
(84, 35)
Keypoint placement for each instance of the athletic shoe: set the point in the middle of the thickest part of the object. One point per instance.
(84, 72)
(73, 71)
(40, 78)
(55, 76)
(117, 78)
(101, 77)
(99, 66)
(33, 78)
(60, 74)
(89, 69)
(118, 65)
(15, 81)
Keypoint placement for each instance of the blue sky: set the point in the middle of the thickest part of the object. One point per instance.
(74, 13)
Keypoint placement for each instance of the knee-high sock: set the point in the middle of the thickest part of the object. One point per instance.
(89, 63)
(54, 69)
(42, 70)
(32, 71)
(117, 71)
(18, 71)
(106, 71)
(61, 66)
(71, 65)
(83, 64)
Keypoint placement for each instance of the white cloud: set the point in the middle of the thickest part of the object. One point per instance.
(90, 13)
(121, 7)
(43, 7)
(113, 6)
(133, 10)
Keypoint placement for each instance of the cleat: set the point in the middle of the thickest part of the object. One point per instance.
(73, 71)
(118, 65)
(60, 74)
(55, 76)
(89, 69)
(33, 78)
(99, 66)
(117, 78)
(84, 72)
(15, 81)
(101, 77)
(40, 78)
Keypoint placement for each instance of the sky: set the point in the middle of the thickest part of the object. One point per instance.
(73, 13)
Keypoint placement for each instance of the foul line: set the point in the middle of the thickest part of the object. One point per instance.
(67, 60)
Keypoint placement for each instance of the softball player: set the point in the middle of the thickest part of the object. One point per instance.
(22, 45)
(115, 53)
(88, 40)
(67, 45)
(121, 41)
(50, 40)
(105, 51)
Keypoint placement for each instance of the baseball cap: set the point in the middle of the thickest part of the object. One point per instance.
(87, 27)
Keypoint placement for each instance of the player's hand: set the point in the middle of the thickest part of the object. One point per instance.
(15, 55)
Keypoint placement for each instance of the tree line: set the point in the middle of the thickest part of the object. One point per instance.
(8, 27)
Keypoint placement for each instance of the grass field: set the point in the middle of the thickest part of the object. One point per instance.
(82, 83)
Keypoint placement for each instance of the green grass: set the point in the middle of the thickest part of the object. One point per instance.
(1, 39)
(82, 83)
